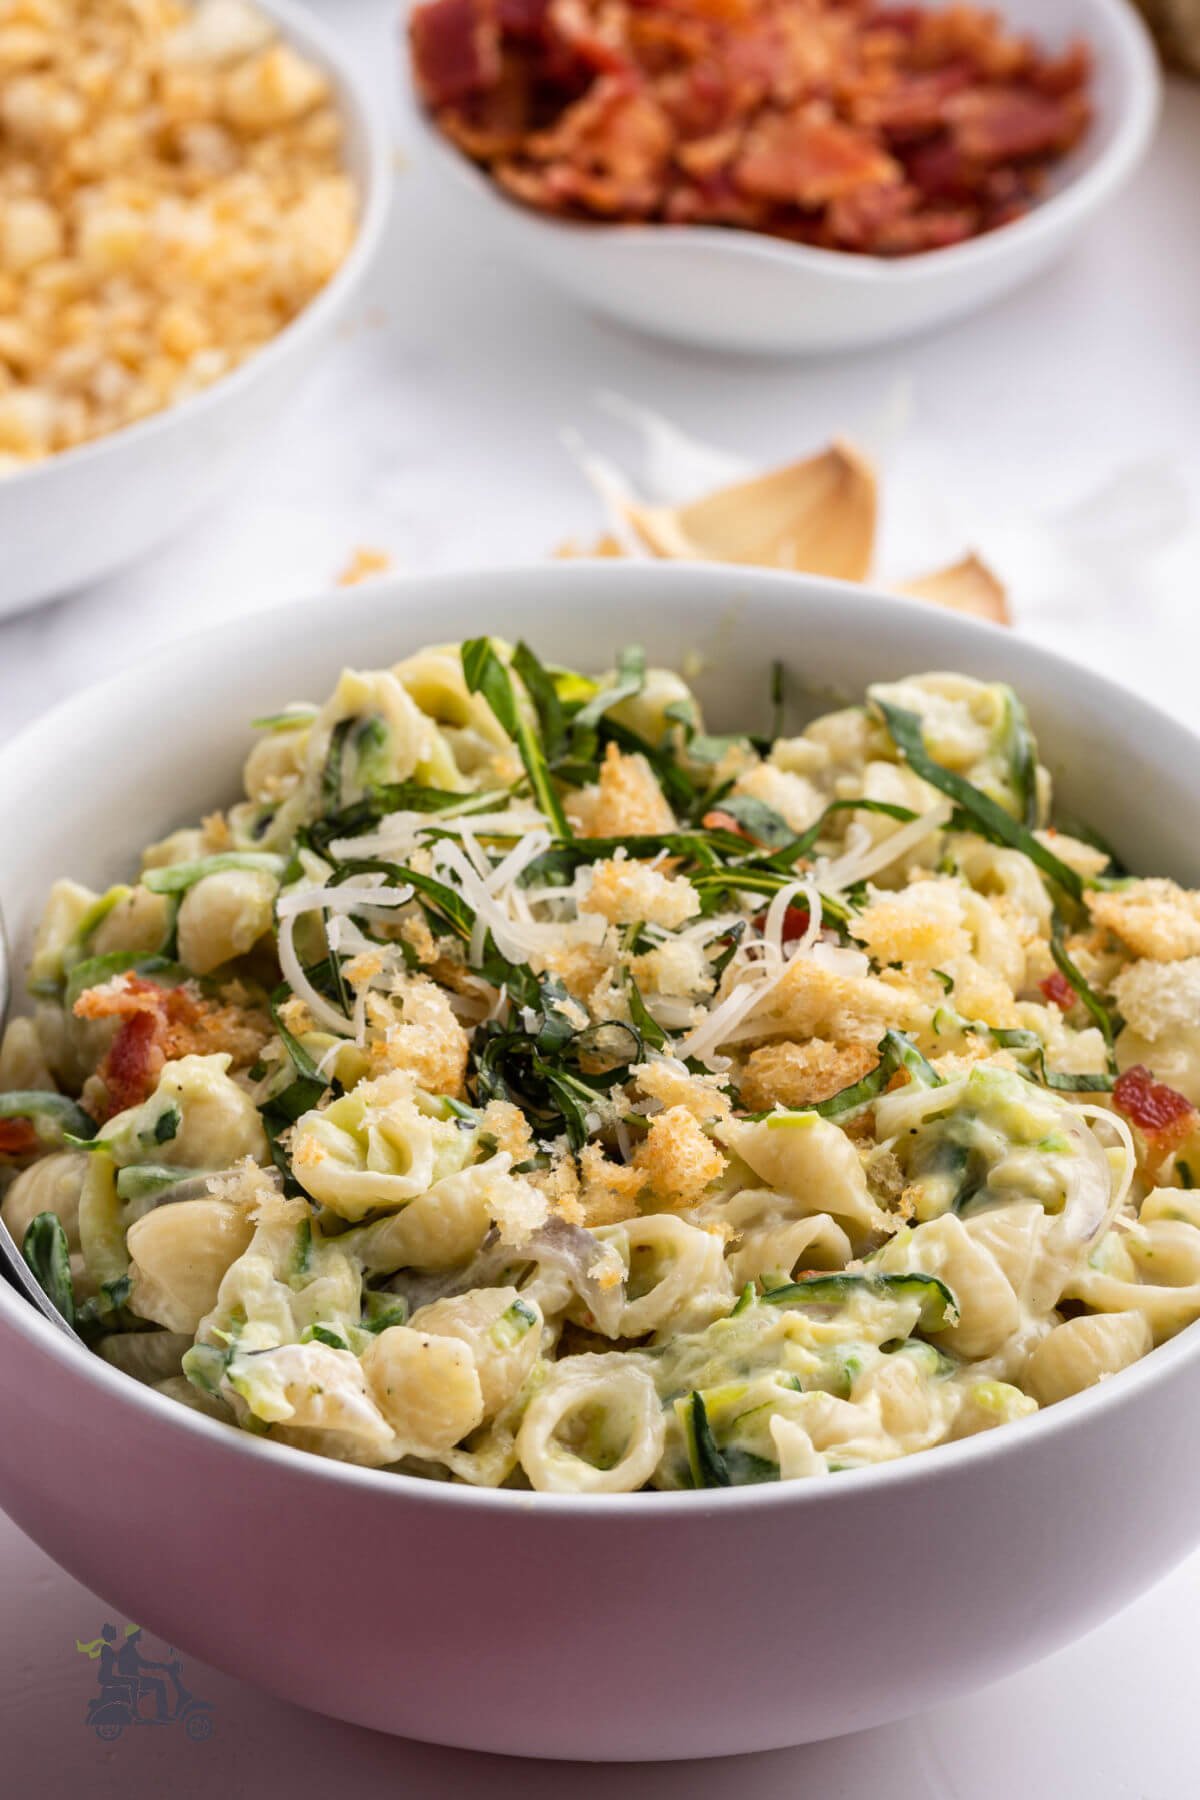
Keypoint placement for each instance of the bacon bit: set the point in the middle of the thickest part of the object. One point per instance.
(133, 1064)
(160, 1024)
(884, 131)
(912, 105)
(716, 820)
(523, 18)
(795, 923)
(18, 1137)
(456, 50)
(809, 160)
(1058, 991)
(1000, 125)
(1163, 1116)
(1149, 1104)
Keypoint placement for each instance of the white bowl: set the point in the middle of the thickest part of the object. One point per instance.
(640, 1626)
(745, 291)
(81, 514)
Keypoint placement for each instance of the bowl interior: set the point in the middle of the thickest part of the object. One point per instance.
(114, 768)
(104, 773)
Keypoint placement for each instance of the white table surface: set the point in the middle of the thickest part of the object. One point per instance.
(1060, 433)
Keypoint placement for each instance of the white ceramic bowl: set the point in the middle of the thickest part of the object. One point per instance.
(647, 1625)
(79, 515)
(744, 291)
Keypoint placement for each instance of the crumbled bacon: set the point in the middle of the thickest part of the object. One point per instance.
(882, 130)
(1149, 1104)
(808, 159)
(718, 820)
(18, 1137)
(456, 49)
(159, 1024)
(1058, 991)
(133, 1064)
(1163, 1116)
(795, 923)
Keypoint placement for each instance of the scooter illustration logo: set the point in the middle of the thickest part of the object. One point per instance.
(137, 1691)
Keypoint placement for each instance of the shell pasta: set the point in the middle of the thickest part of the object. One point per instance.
(523, 1085)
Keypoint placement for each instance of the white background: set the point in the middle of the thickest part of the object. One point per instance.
(1059, 433)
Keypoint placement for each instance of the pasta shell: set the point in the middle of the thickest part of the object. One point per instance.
(817, 515)
(966, 587)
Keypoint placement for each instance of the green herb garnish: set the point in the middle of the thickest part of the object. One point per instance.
(486, 674)
(48, 1255)
(176, 878)
(988, 816)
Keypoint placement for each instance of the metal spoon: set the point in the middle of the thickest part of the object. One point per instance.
(12, 1263)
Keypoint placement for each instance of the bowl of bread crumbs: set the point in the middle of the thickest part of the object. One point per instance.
(190, 195)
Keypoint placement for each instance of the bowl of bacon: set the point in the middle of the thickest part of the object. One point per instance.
(775, 175)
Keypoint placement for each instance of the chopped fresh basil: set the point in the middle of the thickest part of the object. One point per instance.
(446, 903)
(988, 817)
(539, 685)
(486, 674)
(805, 843)
(166, 1126)
(176, 878)
(758, 820)
(1030, 1051)
(554, 1072)
(647, 1025)
(1022, 760)
(1100, 1014)
(48, 1255)
(301, 1094)
(630, 680)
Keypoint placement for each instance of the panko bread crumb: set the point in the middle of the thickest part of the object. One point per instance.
(626, 893)
(172, 193)
(796, 1075)
(1154, 918)
(1157, 997)
(676, 1158)
(626, 800)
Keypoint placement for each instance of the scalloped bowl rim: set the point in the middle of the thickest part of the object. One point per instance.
(359, 107)
(1078, 196)
(1007, 1441)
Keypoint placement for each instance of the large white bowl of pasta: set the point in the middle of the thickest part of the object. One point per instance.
(665, 1190)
